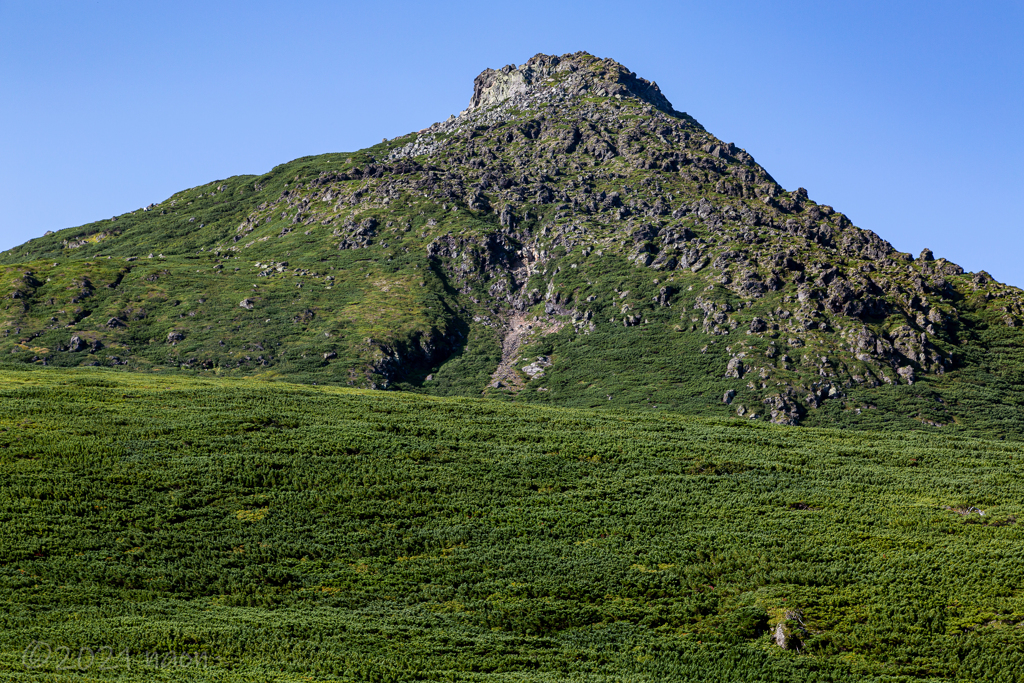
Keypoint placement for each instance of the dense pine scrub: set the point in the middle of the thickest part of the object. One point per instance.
(174, 528)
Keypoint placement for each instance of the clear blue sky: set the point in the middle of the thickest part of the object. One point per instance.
(907, 116)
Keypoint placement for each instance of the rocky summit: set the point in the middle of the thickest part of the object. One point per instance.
(569, 238)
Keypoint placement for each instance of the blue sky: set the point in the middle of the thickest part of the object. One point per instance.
(904, 115)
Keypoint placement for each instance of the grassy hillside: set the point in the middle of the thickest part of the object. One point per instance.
(283, 532)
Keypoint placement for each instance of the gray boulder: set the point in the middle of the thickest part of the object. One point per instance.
(907, 373)
(536, 369)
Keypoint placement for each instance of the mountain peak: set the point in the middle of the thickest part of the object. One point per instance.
(578, 73)
(571, 238)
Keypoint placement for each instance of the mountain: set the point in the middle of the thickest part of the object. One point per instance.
(569, 238)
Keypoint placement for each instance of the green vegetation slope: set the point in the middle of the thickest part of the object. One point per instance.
(279, 532)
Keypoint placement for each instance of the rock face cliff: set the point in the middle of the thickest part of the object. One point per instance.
(610, 79)
(570, 237)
